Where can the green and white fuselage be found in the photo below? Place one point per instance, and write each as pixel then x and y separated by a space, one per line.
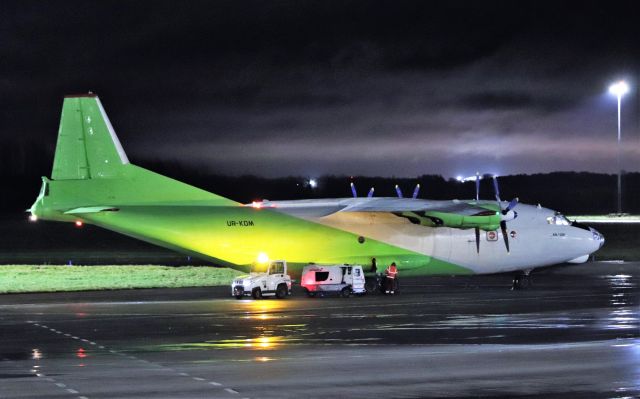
pixel 94 182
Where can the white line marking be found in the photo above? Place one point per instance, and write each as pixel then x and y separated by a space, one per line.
pixel 73 391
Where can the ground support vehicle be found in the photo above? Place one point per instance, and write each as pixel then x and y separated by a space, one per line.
pixel 273 282
pixel 342 279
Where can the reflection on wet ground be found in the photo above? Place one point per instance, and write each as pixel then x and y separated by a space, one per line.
pixel 575 333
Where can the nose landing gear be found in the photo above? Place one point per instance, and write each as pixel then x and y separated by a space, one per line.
pixel 521 280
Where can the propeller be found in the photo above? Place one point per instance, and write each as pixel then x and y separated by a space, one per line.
pixel 398 191
pixel 355 193
pixel 416 191
pixel 477 229
pixel 413 196
pixel 507 213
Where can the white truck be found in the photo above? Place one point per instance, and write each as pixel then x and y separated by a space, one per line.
pixel 343 279
pixel 273 281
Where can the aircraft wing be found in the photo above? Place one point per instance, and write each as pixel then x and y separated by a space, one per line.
pixel 456 213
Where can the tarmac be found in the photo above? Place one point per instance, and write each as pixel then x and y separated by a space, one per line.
pixel 574 333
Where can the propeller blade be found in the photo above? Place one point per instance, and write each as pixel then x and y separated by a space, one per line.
pixel 477 229
pixel 511 205
pixel 477 186
pixel 508 216
pixel 496 189
pixel 353 190
pixel 416 191
pixel 505 235
pixel 398 191
pixel 370 194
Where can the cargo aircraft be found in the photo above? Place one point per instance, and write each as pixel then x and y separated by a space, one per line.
pixel 93 182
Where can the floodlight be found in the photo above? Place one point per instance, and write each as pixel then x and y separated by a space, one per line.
pixel 619 89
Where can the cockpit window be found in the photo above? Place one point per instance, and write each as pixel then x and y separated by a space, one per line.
pixel 276 268
pixel 558 219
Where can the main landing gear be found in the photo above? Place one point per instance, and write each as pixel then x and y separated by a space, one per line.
pixel 521 280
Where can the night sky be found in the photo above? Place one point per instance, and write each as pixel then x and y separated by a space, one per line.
pixel 311 88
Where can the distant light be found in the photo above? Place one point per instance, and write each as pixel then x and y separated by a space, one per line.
pixel 256 204
pixel 313 183
pixel 263 258
pixel 79 223
pixel 468 178
pixel 33 218
pixel 619 89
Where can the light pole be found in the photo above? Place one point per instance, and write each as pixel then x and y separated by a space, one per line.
pixel 619 89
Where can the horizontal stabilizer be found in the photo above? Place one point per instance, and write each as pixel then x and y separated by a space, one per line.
pixel 91 209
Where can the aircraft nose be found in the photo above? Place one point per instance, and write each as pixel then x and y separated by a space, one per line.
pixel 597 237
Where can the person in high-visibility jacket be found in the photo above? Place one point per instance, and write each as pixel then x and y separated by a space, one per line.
pixel 391 278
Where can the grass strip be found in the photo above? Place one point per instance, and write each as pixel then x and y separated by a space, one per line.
pixel 31 278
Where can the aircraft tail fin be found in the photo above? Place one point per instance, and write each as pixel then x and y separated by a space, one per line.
pixel 87 146
pixel 90 168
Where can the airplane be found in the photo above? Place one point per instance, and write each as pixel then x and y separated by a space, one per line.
pixel 93 182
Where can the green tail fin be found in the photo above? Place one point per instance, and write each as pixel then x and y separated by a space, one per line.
pixel 87 147
pixel 91 170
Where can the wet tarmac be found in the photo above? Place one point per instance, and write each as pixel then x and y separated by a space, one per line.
pixel 575 333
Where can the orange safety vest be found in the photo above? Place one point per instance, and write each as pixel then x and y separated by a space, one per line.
pixel 392 271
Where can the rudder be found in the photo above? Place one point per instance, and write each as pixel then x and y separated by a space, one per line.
pixel 87 146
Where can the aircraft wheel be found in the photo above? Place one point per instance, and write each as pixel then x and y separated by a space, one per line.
pixel 281 291
pixel 256 293
pixel 345 292
pixel 239 296
pixel 521 281
pixel 310 294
